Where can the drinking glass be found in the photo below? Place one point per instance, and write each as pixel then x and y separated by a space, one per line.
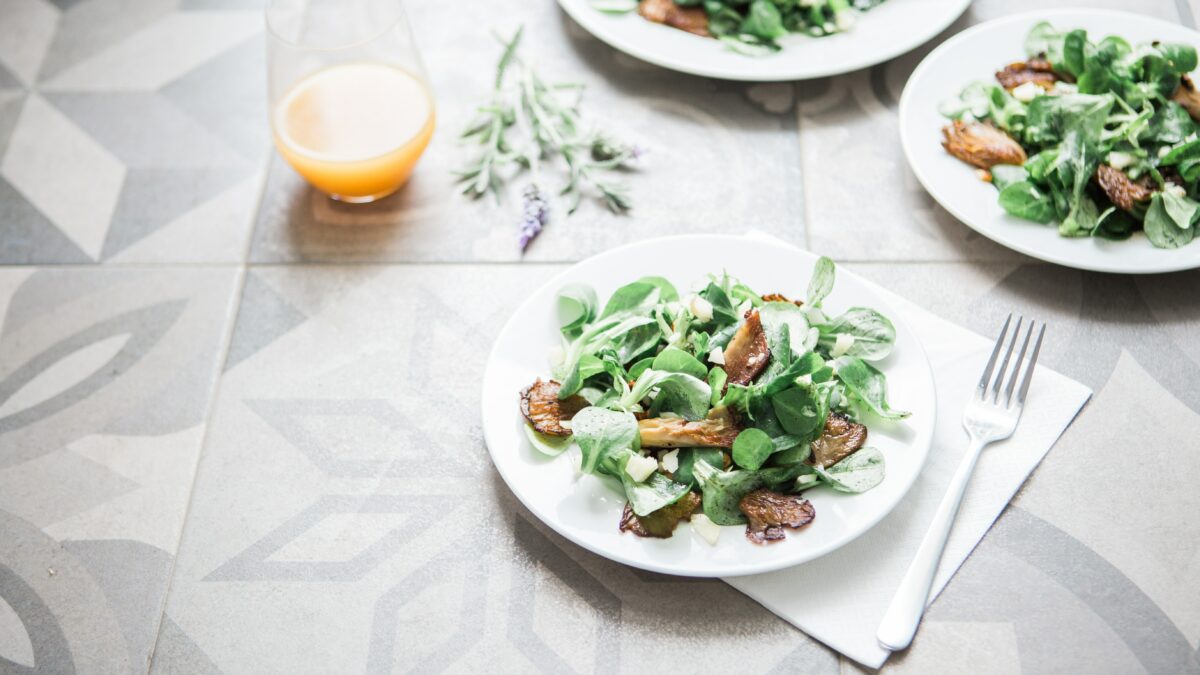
pixel 351 108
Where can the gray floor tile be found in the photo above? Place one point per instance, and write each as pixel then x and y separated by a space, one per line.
pixel 105 383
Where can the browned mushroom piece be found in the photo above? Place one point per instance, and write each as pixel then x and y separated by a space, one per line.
pixel 747 352
pixel 1035 70
pixel 541 406
pixel 1123 192
pixel 770 512
pixel 779 297
pixel 717 430
pixel 1187 96
pixel 840 439
pixel 982 145
pixel 661 523
pixel 691 19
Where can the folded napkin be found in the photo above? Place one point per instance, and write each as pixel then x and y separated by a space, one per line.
pixel 840 598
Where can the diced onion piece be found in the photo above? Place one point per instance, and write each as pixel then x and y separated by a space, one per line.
pixel 1120 160
pixel 700 308
pixel 717 356
pixel 1027 92
pixel 640 467
pixel 844 20
pixel 804 379
pixel 805 480
pixel 566 424
pixel 706 528
pixel 844 342
pixel 670 461
pixel 1176 190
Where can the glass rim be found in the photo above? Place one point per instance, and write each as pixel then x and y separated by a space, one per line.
pixel 272 5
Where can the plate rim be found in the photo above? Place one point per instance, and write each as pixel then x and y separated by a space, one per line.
pixel 922 442
pixel 905 108
pixel 578 13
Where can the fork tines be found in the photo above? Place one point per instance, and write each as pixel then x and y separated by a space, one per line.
pixel 987 382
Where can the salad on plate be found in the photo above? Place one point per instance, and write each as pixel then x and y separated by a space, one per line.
pixel 1100 138
pixel 748 26
pixel 721 407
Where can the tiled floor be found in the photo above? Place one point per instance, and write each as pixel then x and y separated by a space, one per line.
pixel 220 394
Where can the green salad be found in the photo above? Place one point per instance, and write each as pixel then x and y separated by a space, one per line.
pixel 1098 137
pixel 720 407
pixel 747 26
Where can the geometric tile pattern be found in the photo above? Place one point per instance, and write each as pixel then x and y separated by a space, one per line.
pixel 229 445
pixel 118 120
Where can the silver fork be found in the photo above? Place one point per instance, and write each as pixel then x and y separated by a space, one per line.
pixel 991 415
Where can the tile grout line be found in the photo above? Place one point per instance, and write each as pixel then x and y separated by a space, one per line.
pixel 806 209
pixel 234 309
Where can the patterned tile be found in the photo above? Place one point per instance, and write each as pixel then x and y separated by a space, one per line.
pixel 105 381
pixel 143 138
pixel 696 131
pixel 331 535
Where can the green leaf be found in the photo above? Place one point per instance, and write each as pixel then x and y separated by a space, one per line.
pixel 1160 227
pixel 763 21
pixel 1074 47
pixel 717 377
pixel 868 386
pixel 751 449
pixel 637 297
pixel 1180 57
pixel 722 491
pixel 546 444
pixel 1024 200
pixel 689 396
pixel 801 410
pixel 688 458
pixel 873 333
pixel 778 317
pixel 1004 175
pixel 723 309
pixel 666 290
pixel 604 437
pixel 577 306
pixel 1182 210
pixel 675 360
pixel 857 473
pixel 652 494
pixel 821 282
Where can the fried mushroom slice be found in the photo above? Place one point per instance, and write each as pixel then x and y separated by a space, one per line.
pixel 661 523
pixel 747 352
pixel 779 297
pixel 981 145
pixel 541 406
pixel 691 19
pixel 1034 70
pixel 1122 191
pixel 717 430
pixel 770 512
pixel 840 439
pixel 1187 96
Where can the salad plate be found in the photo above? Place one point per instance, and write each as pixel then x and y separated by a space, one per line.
pixel 885 31
pixel 945 78
pixel 588 510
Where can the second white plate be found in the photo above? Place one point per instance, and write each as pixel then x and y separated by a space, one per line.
pixel 882 33
pixel 976 54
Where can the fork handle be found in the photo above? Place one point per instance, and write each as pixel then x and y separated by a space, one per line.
pixel 900 622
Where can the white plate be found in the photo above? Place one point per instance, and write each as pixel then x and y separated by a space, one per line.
pixel 586 510
pixel 882 33
pixel 976 54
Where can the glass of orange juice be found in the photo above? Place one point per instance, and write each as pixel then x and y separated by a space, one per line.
pixel 351 109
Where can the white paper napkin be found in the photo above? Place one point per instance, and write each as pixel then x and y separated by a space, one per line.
pixel 840 598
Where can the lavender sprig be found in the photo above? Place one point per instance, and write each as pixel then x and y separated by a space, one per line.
pixel 532 126
pixel 534 216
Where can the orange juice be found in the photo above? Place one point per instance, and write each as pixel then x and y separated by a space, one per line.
pixel 356 130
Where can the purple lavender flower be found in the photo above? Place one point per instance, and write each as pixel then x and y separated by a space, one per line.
pixel 534 216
